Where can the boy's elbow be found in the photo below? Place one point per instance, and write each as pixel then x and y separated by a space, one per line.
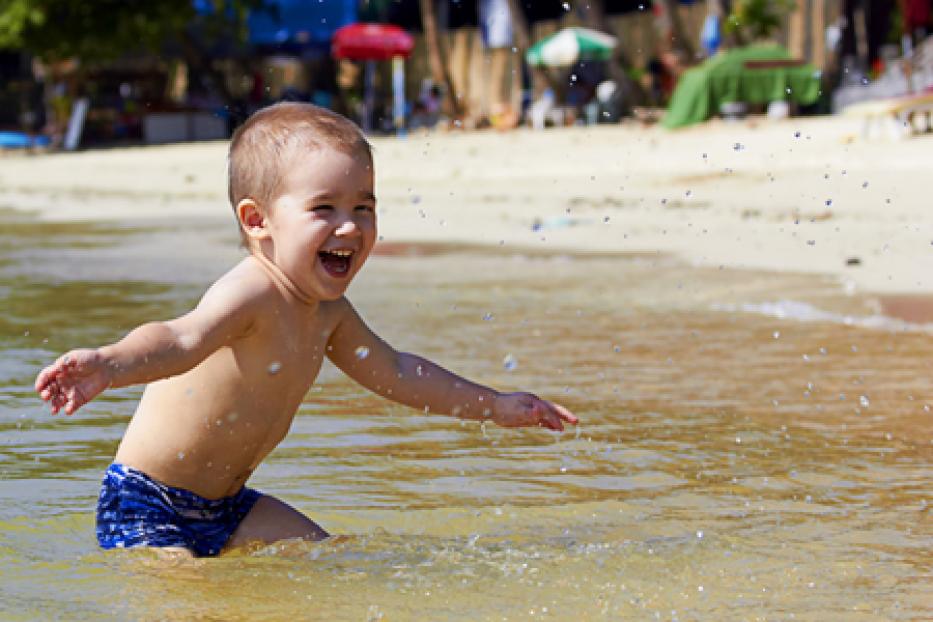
pixel 187 344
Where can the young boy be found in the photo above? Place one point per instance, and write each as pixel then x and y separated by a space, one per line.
pixel 226 379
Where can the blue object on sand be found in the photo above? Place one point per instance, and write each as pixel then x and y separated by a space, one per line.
pixel 21 140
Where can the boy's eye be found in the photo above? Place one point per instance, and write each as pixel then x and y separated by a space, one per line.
pixel 322 208
pixel 365 208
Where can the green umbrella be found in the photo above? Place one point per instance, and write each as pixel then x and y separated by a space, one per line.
pixel 566 47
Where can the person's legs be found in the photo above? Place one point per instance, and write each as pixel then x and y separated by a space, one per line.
pixel 271 520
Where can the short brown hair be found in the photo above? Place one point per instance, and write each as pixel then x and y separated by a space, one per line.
pixel 261 146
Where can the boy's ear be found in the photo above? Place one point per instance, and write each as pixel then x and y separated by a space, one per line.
pixel 252 220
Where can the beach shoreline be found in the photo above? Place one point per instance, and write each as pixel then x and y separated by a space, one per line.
pixel 800 195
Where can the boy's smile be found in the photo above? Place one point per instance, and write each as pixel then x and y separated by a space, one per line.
pixel 322 226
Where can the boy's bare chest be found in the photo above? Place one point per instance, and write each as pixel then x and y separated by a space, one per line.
pixel 286 350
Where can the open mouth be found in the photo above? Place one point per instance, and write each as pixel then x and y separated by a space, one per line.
pixel 336 262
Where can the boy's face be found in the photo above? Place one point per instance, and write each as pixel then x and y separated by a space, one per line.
pixel 323 224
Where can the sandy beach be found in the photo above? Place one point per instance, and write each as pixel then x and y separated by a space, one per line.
pixel 799 195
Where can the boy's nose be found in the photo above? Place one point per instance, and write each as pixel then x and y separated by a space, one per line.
pixel 347 228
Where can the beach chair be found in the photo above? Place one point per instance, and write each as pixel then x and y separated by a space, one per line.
pixel 896 117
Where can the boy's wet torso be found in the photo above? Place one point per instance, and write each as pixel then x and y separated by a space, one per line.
pixel 207 429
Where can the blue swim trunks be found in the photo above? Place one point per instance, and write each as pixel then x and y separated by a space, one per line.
pixel 135 510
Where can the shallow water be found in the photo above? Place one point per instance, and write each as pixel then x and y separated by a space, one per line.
pixel 752 446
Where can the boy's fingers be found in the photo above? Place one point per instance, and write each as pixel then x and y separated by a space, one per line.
pixel 565 414
pixel 551 421
pixel 44 377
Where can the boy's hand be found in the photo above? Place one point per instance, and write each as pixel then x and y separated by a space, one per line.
pixel 516 410
pixel 73 380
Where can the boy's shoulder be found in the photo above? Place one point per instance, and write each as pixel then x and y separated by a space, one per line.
pixel 244 284
pixel 247 276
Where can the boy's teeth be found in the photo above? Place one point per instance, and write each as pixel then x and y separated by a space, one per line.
pixel 340 253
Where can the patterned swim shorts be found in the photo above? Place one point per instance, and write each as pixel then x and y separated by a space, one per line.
pixel 135 510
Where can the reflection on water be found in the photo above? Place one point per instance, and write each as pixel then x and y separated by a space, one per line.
pixel 730 463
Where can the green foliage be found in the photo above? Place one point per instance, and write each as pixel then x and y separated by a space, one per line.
pixel 104 29
pixel 15 16
pixel 757 19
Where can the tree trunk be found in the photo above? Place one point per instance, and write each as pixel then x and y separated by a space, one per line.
pixel 796 27
pixel 436 61
pixel 594 16
pixel 818 29
pixel 679 36
pixel 521 33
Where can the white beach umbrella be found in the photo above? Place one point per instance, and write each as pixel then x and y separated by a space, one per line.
pixel 566 47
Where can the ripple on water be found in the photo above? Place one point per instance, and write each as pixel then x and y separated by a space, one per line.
pixel 695 420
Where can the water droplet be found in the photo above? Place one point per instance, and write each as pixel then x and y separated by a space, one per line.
pixel 863 401
pixel 796 134
pixel 864 184
pixel 829 202
pixel 605 219
pixel 789 91
pixel 617 348
pixel 488 316
pixel 274 368
pixel 738 440
pixel 566 6
pixel 776 334
pixel 181 455
pixel 509 362
pixel 738 147
pixel 362 352
pixel 699 534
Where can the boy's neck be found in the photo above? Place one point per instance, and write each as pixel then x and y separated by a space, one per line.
pixel 279 277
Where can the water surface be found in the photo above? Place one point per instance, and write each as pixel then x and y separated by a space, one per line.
pixel 752 445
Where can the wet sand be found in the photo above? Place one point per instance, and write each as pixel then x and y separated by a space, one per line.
pixel 800 195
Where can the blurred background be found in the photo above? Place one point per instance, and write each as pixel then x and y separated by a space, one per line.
pixel 181 70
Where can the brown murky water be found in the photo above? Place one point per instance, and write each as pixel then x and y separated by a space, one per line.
pixel 753 446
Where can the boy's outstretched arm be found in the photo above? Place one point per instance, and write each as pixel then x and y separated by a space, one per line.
pixel 417 382
pixel 150 352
